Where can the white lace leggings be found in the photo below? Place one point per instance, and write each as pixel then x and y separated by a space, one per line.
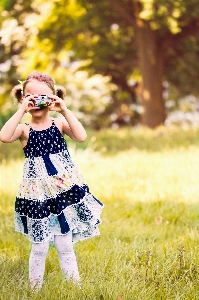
pixel 67 260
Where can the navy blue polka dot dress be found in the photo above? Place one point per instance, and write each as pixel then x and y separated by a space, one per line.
pixel 53 197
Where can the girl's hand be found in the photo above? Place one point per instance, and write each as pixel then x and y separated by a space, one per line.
pixel 57 104
pixel 27 103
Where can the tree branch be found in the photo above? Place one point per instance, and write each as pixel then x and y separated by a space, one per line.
pixel 118 7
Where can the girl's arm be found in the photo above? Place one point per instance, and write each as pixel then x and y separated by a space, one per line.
pixel 70 124
pixel 12 130
pixel 73 127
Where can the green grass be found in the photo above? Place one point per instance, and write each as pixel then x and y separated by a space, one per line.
pixel 148 248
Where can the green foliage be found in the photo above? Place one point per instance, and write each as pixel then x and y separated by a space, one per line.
pixel 100 37
pixel 106 40
pixel 184 62
pixel 15 28
pixel 169 14
pixel 6 4
pixel 148 248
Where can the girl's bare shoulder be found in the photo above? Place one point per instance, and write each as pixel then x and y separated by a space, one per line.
pixel 24 128
pixel 59 123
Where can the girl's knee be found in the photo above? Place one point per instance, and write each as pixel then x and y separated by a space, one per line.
pixel 64 243
pixel 40 249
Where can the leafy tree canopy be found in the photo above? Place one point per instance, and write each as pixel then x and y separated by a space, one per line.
pixel 104 37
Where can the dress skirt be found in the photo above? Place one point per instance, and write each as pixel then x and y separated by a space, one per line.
pixel 54 199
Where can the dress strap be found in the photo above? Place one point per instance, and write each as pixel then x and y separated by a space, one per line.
pixel 29 126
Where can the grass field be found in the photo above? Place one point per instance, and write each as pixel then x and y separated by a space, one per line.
pixel 148 248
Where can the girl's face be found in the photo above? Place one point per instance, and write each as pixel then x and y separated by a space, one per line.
pixel 37 88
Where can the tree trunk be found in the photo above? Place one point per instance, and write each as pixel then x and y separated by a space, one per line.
pixel 151 68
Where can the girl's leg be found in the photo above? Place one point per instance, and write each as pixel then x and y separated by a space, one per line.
pixel 37 264
pixel 67 257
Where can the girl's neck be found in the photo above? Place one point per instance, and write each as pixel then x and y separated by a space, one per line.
pixel 41 122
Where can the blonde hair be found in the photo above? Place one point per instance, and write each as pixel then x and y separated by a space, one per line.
pixel 18 90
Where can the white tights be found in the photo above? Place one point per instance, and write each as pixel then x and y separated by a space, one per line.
pixel 67 260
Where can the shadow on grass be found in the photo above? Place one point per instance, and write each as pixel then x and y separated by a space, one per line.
pixel 144 139
pixel 110 142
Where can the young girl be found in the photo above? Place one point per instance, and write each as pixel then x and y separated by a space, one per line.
pixel 53 203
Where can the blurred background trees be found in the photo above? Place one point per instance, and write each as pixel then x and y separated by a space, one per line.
pixel 122 62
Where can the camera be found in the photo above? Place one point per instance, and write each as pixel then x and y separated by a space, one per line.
pixel 42 101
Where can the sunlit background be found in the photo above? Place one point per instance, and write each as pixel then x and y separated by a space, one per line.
pixel 130 69
pixel 123 63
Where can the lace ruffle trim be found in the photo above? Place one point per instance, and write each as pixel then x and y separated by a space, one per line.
pixel 82 218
